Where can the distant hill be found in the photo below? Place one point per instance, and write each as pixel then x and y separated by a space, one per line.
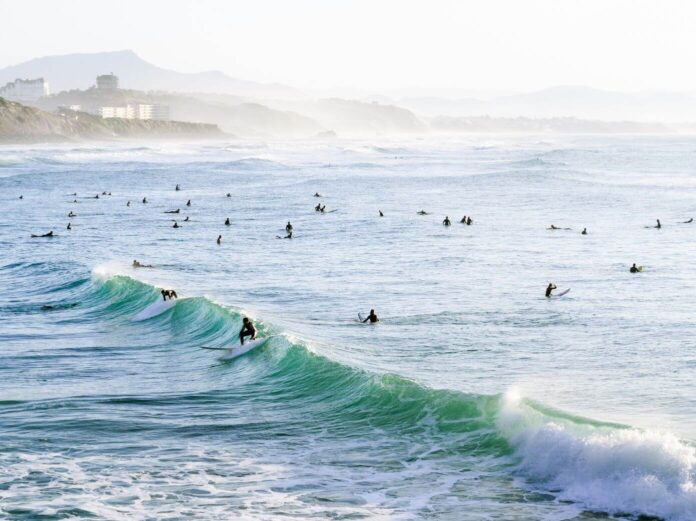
pixel 19 123
pixel 79 71
pixel 566 101
pixel 232 114
pixel 485 125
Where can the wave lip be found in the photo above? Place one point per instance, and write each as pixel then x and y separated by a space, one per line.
pixel 614 469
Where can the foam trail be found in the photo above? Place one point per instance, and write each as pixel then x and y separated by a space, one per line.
pixel 605 467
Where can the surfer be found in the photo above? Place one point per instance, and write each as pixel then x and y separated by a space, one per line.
pixel 21 197
pixel 144 200
pixel 229 194
pixel 219 239
pixel 187 219
pixel 689 221
pixel 422 212
pixel 372 317
pixel 71 214
pixel 549 289
pixel 659 225
pixel 317 194
pixel 322 209
pixel 463 221
pixel 288 227
pixel 317 208
pixel 288 236
pixel 137 264
pixel 227 222
pixel 553 227
pixel 634 268
pixel 177 188
pixel 188 203
pixel 584 231
pixel 169 293
pixel 96 197
pixel 49 234
pixel 128 203
pixel 446 220
pixel 173 211
pixel 381 214
pixel 69 227
pixel 176 225
pixel 469 221
pixel 248 330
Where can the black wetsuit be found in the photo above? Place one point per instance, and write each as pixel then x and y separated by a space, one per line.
pixel 248 330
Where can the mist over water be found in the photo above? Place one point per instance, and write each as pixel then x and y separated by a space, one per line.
pixel 474 397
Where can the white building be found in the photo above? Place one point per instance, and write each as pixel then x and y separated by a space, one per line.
pixel 139 111
pixel 127 112
pixel 25 91
pixel 159 112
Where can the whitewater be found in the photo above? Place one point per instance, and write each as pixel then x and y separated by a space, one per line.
pixel 474 397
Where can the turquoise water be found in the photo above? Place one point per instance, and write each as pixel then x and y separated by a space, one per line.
pixel 474 398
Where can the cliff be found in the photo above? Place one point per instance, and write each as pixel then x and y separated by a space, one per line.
pixel 19 123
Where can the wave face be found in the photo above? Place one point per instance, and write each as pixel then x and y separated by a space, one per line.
pixel 286 418
pixel 474 397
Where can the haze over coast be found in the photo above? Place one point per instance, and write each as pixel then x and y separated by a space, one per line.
pixel 250 109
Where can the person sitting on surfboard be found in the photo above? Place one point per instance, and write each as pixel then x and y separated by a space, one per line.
pixel 248 329
pixel 317 208
pixel 463 221
pixel 549 289
pixel 584 231
pixel 381 214
pixel 317 194
pixel 227 222
pixel 372 317
pixel 659 225
pixel 469 221
pixel 634 268
pixel 49 234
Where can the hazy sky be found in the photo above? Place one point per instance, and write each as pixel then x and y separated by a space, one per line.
pixel 504 45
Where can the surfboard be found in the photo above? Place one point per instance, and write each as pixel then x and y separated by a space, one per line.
pixel 360 317
pixel 564 292
pixel 154 309
pixel 239 350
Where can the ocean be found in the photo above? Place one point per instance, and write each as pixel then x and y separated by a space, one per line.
pixel 474 397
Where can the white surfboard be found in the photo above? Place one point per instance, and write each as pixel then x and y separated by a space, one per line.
pixel 360 317
pixel 239 350
pixel 565 291
pixel 154 309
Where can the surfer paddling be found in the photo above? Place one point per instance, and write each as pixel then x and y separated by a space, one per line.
pixel 372 317
pixel 549 289
pixel 49 234
pixel 137 264
pixel 248 330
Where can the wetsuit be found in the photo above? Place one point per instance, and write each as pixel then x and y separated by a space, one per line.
pixel 248 330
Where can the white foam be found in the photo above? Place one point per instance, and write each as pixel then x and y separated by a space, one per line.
pixel 605 468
